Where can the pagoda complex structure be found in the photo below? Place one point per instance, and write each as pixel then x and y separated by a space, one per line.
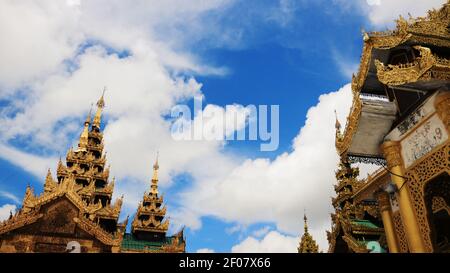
pixel 355 224
pixel 307 243
pixel 400 120
pixel 75 211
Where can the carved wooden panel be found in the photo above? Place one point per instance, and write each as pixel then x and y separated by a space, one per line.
pixel 59 218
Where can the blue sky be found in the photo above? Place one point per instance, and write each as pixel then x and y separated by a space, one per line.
pixel 232 196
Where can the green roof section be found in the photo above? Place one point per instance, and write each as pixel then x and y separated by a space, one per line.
pixel 131 242
pixel 364 223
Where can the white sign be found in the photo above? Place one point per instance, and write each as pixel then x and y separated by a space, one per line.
pixel 422 140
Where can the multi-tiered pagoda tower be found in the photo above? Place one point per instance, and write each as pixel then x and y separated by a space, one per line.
pixel 75 207
pixel 75 212
pixel 354 226
pixel 149 227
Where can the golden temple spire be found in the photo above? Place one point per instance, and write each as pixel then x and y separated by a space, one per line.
pixel 154 185
pixel 85 134
pixel 337 124
pixel 307 243
pixel 306 223
pixel 100 106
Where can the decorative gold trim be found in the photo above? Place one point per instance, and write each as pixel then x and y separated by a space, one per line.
pixel 400 231
pixel 439 204
pixel 442 105
pixel 392 153
pixel 421 69
pixel 417 176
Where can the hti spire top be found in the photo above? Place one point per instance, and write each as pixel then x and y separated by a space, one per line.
pixel 337 124
pixel 154 185
pixel 85 134
pixel 100 106
pixel 306 222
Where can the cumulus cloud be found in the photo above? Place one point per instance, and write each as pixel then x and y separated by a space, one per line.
pixel 274 242
pixel 264 190
pixel 5 211
pixel 10 196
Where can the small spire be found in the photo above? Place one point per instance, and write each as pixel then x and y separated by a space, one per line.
pixel 100 106
pixel 85 134
pixel 306 222
pixel 337 124
pixel 88 118
pixel 154 185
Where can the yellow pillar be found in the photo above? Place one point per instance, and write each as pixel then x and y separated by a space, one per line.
pixel 386 215
pixel 393 157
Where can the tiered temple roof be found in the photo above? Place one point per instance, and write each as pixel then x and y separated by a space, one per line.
pixel 354 225
pixel 84 181
pixel 149 227
pixel 77 206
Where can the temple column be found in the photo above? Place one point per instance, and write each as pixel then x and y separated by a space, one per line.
pixel 386 215
pixel 392 153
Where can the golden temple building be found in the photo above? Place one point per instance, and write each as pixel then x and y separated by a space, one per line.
pixel 307 243
pixel 399 119
pixel 76 213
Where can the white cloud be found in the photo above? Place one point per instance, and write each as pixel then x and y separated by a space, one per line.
pixel 5 211
pixel 34 164
pixel 262 231
pixel 263 190
pixel 10 196
pixel 384 12
pixel 205 250
pixel 273 242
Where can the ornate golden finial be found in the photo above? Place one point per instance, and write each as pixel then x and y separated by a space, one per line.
pixel 100 106
pixel 337 124
pixel 307 243
pixel 306 222
pixel 154 186
pixel 85 134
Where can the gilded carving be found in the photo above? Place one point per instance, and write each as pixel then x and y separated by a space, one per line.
pixel 417 176
pixel 392 153
pixel 420 69
pixel 442 104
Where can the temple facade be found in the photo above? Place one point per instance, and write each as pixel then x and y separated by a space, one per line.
pixel 76 213
pixel 400 120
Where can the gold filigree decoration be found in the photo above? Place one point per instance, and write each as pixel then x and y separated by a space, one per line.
pixel 442 105
pixel 392 153
pixel 400 231
pixel 419 69
pixel 417 176
pixel 439 204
